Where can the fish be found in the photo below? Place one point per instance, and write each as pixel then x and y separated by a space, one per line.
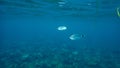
pixel 118 12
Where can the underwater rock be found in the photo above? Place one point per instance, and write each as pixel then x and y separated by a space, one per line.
pixel 61 28
pixel 75 53
pixel 25 56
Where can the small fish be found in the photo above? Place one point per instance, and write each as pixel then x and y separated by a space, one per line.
pixel 118 12
pixel 62 28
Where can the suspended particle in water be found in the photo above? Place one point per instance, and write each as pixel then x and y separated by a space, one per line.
pixel 61 28
pixel 76 37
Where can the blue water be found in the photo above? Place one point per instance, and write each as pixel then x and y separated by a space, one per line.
pixel 29 37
